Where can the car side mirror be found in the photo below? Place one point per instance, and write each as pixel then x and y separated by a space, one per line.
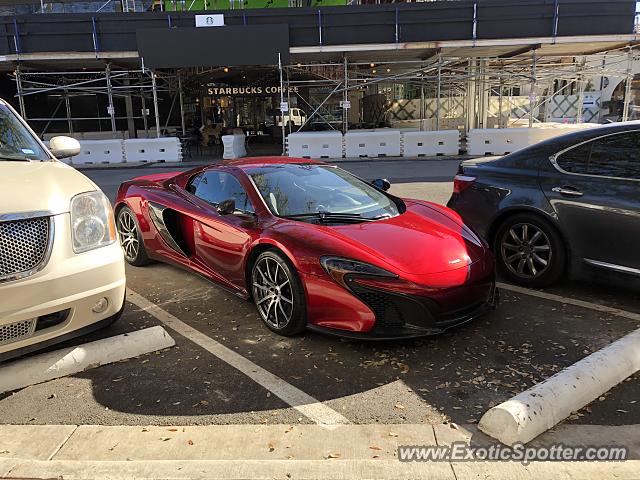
pixel 382 184
pixel 227 207
pixel 64 147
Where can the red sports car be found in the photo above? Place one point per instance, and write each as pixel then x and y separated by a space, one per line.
pixel 313 246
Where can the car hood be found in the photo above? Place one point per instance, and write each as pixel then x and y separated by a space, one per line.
pixel 39 186
pixel 426 239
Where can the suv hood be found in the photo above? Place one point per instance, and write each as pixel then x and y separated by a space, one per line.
pixel 39 186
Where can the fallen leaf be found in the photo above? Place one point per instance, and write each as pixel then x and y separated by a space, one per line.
pixel 189 442
pixel 375 447
pixel 172 429
pixel 271 447
pixel 393 434
pixel 334 455
pixel 399 406
pixel 164 439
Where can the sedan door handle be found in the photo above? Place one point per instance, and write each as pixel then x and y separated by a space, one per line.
pixel 567 191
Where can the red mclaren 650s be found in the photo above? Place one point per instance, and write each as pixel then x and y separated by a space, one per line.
pixel 313 246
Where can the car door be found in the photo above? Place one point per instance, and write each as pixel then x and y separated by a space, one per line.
pixel 221 241
pixel 594 188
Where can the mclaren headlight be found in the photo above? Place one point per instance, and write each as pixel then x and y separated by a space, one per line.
pixel 338 268
pixel 92 222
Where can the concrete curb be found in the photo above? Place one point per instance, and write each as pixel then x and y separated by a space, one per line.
pixel 532 412
pixel 60 363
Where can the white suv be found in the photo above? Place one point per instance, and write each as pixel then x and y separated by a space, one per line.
pixel 61 268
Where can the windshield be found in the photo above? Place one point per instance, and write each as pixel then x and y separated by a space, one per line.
pixel 299 189
pixel 16 143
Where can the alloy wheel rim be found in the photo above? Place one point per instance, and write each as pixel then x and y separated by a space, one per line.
pixel 526 250
pixel 128 236
pixel 272 292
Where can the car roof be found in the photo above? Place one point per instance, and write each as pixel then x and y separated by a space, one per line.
pixel 249 162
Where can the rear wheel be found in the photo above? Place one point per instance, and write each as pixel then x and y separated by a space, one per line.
pixel 131 239
pixel 278 294
pixel 529 251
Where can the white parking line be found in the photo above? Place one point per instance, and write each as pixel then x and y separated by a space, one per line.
pixel 570 301
pixel 305 404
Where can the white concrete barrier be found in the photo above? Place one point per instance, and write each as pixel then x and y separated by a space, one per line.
pixel 500 141
pixel 99 151
pixel 538 409
pixel 164 149
pixel 315 144
pixel 234 146
pixel 60 363
pixel 441 142
pixel 372 143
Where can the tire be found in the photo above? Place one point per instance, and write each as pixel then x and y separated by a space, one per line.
pixel 130 238
pixel 530 251
pixel 278 294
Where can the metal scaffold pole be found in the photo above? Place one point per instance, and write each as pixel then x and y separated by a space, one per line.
pixel 627 88
pixel 67 103
pixel 438 91
pixel 281 105
pixel 23 112
pixel 155 103
pixel 580 106
pixel 345 99
pixel 182 123
pixel 111 109
pixel 500 116
pixel 532 92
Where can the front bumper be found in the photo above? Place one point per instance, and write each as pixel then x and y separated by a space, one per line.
pixel 401 315
pixel 65 291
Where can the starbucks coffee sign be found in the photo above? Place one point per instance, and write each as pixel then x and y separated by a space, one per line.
pixel 247 90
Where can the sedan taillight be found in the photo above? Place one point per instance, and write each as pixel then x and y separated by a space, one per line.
pixel 462 182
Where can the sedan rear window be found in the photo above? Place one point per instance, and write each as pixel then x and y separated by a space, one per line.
pixel 612 156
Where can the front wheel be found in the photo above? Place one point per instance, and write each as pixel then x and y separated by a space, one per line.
pixel 529 251
pixel 131 238
pixel 278 294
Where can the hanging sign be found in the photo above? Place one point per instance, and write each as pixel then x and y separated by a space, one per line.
pixel 215 20
pixel 284 107
pixel 346 104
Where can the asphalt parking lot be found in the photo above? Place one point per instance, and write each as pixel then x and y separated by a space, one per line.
pixel 453 377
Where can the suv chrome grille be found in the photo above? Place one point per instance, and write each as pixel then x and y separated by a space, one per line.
pixel 24 245
pixel 17 331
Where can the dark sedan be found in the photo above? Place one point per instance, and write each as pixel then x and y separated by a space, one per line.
pixel 570 204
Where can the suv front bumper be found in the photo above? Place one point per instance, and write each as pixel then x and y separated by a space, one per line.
pixel 62 297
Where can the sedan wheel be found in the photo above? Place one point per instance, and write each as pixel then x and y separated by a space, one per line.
pixel 130 239
pixel 526 250
pixel 530 251
pixel 277 294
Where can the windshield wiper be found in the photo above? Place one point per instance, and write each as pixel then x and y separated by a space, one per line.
pixel 14 159
pixel 329 216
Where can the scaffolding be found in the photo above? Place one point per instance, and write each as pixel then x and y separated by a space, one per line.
pixel 438 92
pixel 109 83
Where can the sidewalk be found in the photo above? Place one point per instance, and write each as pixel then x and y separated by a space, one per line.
pixel 285 451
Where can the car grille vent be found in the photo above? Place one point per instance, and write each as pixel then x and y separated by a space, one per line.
pixel 387 312
pixel 17 331
pixel 23 246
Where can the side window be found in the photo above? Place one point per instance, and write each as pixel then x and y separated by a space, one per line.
pixel 612 156
pixel 575 160
pixel 215 187
pixel 616 156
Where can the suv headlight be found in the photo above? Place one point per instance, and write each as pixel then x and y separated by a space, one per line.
pixel 92 222
pixel 338 268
